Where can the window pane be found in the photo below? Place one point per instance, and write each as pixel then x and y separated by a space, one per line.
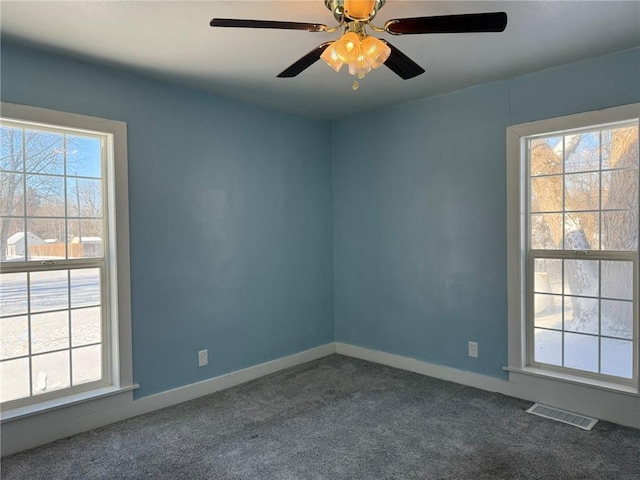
pixel 548 346
pixel 45 196
pixel 617 319
pixel 581 352
pixel 617 280
pixel 617 358
pixel 87 364
pixel 14 337
pixel 620 190
pixel 13 293
pixel 582 231
pixel 581 314
pixel 84 156
pixel 11 194
pixel 620 147
pixel 85 287
pixel 45 238
pixel 86 238
pixel 582 152
pixel 84 197
pixel 49 331
pixel 546 231
pixel 14 247
pixel 86 326
pixel 14 375
pixel 581 277
pixel 582 191
pixel 50 372
pixel 620 230
pixel 49 290
pixel 548 311
pixel 547 275
pixel 11 149
pixel 545 155
pixel 546 194
pixel 44 152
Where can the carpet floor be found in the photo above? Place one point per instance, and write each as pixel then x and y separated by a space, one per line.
pixel 339 418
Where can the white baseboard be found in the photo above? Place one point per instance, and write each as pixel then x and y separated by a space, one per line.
pixel 454 375
pixel 38 429
pixel 195 390
pixel 35 430
pixel 620 408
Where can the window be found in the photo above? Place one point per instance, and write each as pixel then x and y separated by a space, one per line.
pixel 577 263
pixel 63 316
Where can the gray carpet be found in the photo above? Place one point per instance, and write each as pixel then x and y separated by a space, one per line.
pixel 339 418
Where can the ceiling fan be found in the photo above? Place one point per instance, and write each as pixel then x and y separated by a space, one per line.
pixel 362 52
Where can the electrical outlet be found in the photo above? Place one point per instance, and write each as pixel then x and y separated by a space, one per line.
pixel 473 349
pixel 203 358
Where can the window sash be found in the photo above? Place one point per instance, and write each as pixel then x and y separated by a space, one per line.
pixel 106 374
pixel 595 255
pixel 104 179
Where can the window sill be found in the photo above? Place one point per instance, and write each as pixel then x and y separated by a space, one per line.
pixel 576 380
pixel 58 403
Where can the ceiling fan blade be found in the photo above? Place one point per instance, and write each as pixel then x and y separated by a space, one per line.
pixel 236 23
pixel 402 65
pixel 468 23
pixel 305 62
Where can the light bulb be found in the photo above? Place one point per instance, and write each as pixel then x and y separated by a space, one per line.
pixel 375 50
pixel 329 56
pixel 347 47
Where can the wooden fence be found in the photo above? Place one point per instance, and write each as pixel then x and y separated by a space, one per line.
pixel 56 250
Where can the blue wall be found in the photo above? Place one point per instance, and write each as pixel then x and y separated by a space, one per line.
pixel 420 211
pixel 234 243
pixel 230 217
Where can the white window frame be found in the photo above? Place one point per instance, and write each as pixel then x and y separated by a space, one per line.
pixel 119 372
pixel 517 217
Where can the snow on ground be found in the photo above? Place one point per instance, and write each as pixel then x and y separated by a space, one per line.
pixel 65 311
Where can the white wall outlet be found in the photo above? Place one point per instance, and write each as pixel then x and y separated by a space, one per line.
pixel 203 358
pixel 473 349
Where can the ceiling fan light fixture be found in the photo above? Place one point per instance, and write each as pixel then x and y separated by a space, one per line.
pixel 375 50
pixel 361 52
pixel 331 58
pixel 347 47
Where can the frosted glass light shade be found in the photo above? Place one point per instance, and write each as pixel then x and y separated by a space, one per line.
pixel 359 9
pixel 331 58
pixel 375 50
pixel 347 47
pixel 360 67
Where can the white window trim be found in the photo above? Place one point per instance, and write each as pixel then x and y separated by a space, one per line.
pixel 516 244
pixel 118 259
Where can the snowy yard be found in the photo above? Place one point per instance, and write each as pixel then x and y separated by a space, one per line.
pixel 65 330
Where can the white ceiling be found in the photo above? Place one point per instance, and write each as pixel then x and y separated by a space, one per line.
pixel 173 41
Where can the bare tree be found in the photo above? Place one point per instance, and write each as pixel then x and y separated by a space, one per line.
pixel 582 231
pixel 45 155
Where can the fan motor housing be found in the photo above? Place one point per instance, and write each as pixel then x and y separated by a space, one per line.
pixel 337 8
